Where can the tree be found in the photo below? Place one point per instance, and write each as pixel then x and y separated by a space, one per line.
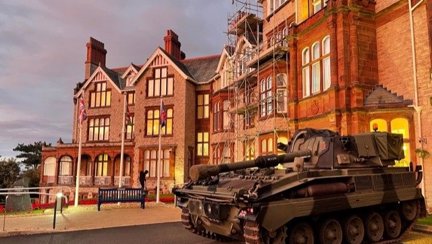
pixel 31 153
pixel 9 172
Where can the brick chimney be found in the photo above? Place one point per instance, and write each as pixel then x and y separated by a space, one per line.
pixel 172 45
pixel 96 54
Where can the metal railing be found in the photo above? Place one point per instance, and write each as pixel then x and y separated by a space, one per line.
pixel 19 191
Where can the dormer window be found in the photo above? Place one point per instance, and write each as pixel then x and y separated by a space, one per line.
pixel 100 96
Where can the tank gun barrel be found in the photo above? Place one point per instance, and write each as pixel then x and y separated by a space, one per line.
pixel 199 172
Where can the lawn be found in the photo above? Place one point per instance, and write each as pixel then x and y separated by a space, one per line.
pixel 425 221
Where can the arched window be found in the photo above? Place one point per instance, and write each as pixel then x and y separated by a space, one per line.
pixel 266 94
pixel 65 166
pixel 281 93
pixel 306 72
pixel 316 68
pixel 326 62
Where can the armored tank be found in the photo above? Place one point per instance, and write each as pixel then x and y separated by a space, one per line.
pixel 325 188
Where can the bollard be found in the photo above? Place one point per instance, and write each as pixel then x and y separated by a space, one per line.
pixel 55 212
pixel 4 214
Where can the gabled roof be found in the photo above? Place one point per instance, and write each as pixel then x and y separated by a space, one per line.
pixel 111 75
pixel 168 58
pixel 202 69
pixel 227 52
pixel 132 68
pixel 382 97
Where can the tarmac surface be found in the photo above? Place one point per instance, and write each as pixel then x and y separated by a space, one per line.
pixel 113 215
pixel 88 218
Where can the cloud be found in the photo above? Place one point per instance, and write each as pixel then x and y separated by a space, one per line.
pixel 42 53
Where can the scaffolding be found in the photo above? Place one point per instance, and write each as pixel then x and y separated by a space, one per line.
pixel 245 39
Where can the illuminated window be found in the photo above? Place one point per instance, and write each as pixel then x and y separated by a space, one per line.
pixel 203 106
pixel 202 144
pixel 267 146
pixel 100 96
pixel 401 126
pixel 379 124
pixel 284 140
pixel 150 162
pixel 307 8
pixel 153 119
pixel 161 84
pixel 65 166
pixel 130 128
pixel 99 129
pixel 102 165
pixel 249 150
pixel 131 98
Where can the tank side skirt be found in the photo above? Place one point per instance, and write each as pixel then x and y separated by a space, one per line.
pixel 281 212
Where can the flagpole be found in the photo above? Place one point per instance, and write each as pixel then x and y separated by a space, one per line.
pixel 122 142
pixel 78 167
pixel 159 153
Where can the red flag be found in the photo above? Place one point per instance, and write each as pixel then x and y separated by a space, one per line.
pixel 82 110
pixel 128 116
pixel 163 115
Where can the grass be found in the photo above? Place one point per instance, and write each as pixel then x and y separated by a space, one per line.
pixel 425 221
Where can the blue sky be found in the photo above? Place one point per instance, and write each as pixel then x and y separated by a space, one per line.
pixel 42 53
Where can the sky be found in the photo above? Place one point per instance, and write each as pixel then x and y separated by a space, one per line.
pixel 42 53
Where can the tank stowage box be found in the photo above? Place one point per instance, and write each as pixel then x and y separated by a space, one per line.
pixel 327 189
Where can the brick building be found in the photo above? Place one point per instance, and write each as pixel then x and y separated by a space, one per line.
pixel 342 65
pixel 183 86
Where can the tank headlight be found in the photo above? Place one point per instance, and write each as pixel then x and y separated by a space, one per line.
pixel 209 208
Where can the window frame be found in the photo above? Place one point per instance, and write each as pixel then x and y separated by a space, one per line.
pixel 168 129
pixel 203 106
pixel 316 67
pixel 92 131
pixel 203 144
pixel 161 84
pixel 100 96
pixel 62 163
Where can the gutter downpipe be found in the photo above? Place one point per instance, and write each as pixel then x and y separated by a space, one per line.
pixel 416 106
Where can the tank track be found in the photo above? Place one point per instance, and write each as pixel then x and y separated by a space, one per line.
pixel 188 224
pixel 253 234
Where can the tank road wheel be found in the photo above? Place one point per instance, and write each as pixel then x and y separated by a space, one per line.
pixel 409 210
pixel 354 230
pixel 393 224
pixel 374 226
pixel 301 233
pixel 330 232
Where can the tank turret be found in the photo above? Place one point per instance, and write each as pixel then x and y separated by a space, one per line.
pixel 324 188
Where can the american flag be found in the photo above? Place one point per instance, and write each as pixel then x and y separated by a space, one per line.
pixel 163 115
pixel 82 110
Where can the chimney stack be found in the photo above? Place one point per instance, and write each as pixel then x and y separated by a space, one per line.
pixel 96 55
pixel 172 45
